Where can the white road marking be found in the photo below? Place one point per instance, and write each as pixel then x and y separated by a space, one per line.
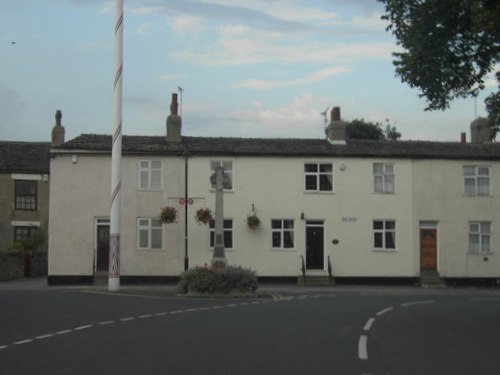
pixel 369 324
pixel 41 337
pixel 83 327
pixel 127 319
pixel 22 342
pixel 3 347
pixel 175 312
pixel 382 312
pixel 63 332
pixel 106 322
pixel 362 352
pixel 164 313
pixel 145 316
pixel 416 303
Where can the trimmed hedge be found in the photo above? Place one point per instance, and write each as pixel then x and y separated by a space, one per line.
pixel 208 280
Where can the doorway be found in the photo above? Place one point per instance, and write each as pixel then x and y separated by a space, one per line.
pixel 315 245
pixel 428 249
pixel 102 245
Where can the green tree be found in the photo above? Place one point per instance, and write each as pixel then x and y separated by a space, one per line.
pixel 449 48
pixel 360 129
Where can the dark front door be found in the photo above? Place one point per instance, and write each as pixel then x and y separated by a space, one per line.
pixel 315 257
pixel 428 249
pixel 102 248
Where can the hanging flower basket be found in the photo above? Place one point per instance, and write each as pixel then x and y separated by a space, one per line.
pixel 168 215
pixel 253 221
pixel 204 216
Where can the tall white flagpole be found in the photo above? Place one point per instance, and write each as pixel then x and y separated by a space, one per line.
pixel 116 155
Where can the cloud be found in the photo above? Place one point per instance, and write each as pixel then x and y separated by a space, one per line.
pixel 172 77
pixel 301 117
pixel 311 78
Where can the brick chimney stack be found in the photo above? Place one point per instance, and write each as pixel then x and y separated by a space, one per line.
pixel 58 131
pixel 174 122
pixel 336 129
pixel 480 131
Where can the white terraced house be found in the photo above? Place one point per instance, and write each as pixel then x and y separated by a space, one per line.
pixel 357 209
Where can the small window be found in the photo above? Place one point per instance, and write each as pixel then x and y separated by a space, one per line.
pixel 318 176
pixel 227 167
pixel 480 237
pixel 24 233
pixel 383 178
pixel 228 233
pixel 476 180
pixel 25 195
pixel 149 234
pixel 282 234
pixel 150 175
pixel 384 234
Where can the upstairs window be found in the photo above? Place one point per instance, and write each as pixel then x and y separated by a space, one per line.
pixel 227 166
pixel 476 180
pixel 318 177
pixel 479 237
pixel 25 195
pixel 384 234
pixel 383 178
pixel 150 175
pixel 282 234
pixel 24 233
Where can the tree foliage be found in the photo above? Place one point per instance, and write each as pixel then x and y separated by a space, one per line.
pixel 361 129
pixel 449 48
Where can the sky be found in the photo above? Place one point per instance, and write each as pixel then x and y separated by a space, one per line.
pixel 247 68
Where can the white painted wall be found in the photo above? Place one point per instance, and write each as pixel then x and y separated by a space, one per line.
pixel 426 190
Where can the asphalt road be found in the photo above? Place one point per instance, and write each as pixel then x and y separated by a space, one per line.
pixel 293 330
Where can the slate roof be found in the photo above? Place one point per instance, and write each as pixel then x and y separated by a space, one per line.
pixel 218 146
pixel 24 157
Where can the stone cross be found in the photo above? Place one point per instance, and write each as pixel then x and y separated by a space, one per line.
pixel 219 257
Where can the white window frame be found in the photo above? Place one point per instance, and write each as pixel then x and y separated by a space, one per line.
pixel 146 225
pixel 475 178
pixel 146 168
pixel 385 174
pixel 384 231
pixel 481 230
pixel 230 173
pixel 281 231
pixel 211 234
pixel 318 174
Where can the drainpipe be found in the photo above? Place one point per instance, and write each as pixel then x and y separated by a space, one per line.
pixel 186 198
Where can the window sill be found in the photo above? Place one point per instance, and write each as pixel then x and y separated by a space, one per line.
pixel 480 254
pixel 151 250
pixel 384 251
pixel 284 250
pixel 319 192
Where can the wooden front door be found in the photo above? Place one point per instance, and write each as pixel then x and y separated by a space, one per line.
pixel 428 249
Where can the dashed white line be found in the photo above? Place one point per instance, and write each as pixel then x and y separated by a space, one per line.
pixel 3 347
pixel 369 324
pixel 384 311
pixel 106 322
pixel 41 337
pixel 63 332
pixel 128 319
pixel 145 316
pixel 81 328
pixel 175 312
pixel 163 313
pixel 416 303
pixel 22 342
pixel 362 351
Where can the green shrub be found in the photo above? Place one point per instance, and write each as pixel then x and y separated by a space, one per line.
pixel 208 280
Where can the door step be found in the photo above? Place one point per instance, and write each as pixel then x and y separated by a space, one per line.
pixel 101 278
pixel 315 280
pixel 431 279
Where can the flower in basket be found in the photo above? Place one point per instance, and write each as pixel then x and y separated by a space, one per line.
pixel 168 215
pixel 253 221
pixel 204 216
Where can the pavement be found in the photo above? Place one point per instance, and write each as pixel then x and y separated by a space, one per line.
pixel 271 290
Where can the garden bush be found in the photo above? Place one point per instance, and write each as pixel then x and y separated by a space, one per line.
pixel 209 280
